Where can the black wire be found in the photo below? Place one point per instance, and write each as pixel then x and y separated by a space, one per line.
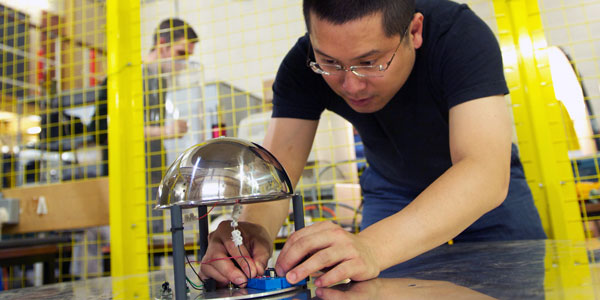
pixel 198 275
pixel 249 270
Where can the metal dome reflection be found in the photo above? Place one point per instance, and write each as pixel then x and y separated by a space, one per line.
pixel 223 171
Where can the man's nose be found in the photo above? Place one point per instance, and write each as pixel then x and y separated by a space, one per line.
pixel 352 83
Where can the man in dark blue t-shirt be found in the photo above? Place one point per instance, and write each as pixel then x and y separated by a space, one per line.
pixel 424 86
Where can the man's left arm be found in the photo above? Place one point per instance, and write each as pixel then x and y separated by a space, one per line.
pixel 477 182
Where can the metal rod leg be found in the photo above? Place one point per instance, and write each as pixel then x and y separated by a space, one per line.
pixel 298 212
pixel 298 208
pixel 203 228
pixel 209 284
pixel 178 253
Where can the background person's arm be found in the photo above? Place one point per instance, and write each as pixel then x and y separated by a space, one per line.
pixel 175 129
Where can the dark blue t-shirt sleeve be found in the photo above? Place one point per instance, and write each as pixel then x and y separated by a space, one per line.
pixel 296 87
pixel 470 61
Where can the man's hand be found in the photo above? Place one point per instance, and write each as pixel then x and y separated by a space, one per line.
pixel 176 129
pixel 327 245
pixel 257 249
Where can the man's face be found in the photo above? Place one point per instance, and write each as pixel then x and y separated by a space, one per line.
pixel 179 49
pixel 175 54
pixel 363 42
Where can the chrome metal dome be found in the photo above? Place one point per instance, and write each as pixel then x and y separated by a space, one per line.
pixel 223 171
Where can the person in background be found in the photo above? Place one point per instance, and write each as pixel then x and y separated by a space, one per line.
pixel 422 82
pixel 173 42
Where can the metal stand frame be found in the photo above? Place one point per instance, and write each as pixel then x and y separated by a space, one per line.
pixel 178 252
pixel 179 247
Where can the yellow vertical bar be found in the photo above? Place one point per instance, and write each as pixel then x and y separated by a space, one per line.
pixel 542 138
pixel 568 274
pixel 543 144
pixel 129 246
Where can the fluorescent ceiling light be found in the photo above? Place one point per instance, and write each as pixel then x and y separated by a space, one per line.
pixel 34 130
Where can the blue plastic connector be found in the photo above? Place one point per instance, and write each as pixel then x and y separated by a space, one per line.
pixel 272 283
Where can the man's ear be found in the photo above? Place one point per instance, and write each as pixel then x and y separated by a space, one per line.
pixel 416 30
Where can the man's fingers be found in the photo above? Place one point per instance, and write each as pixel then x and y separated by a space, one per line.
pixel 226 271
pixel 301 244
pixel 233 263
pixel 223 269
pixel 340 272
pixel 300 248
pixel 297 250
pixel 261 258
pixel 241 256
pixel 245 262
pixel 213 273
pixel 317 262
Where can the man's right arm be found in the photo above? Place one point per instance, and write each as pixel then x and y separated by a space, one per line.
pixel 290 141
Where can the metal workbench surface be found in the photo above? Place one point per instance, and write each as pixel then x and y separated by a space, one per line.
pixel 503 270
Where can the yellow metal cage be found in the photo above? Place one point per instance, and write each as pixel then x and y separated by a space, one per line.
pixel 52 139
pixel 70 65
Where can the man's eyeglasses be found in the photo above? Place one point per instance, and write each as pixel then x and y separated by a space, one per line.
pixel 360 71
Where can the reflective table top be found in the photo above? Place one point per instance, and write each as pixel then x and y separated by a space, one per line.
pixel 491 270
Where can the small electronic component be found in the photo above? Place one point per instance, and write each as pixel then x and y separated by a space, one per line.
pixel 270 272
pixel 166 290
pixel 210 285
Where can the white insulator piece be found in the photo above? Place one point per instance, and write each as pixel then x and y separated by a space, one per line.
pixel 237 211
pixel 236 237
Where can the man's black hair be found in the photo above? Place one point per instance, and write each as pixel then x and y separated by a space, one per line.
pixel 172 30
pixel 397 14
